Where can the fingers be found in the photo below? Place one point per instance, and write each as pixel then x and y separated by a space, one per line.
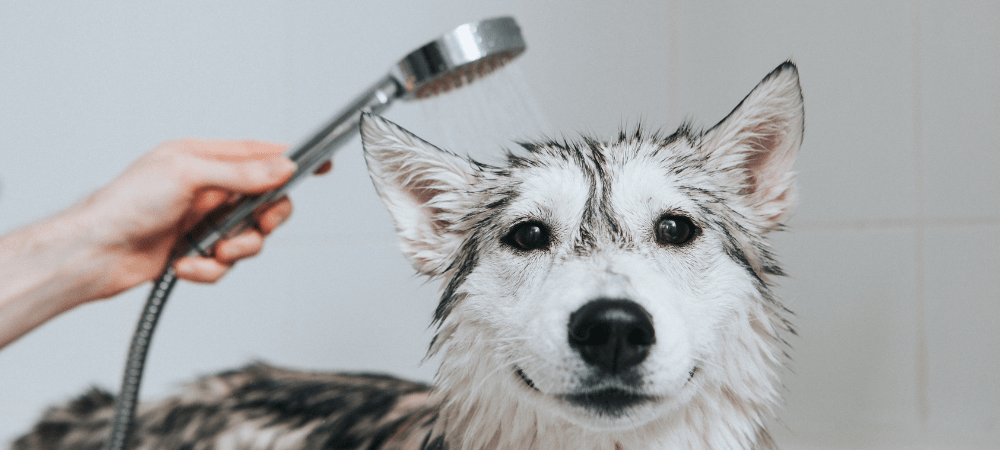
pixel 208 199
pixel 244 245
pixel 270 216
pixel 244 167
pixel 228 251
pixel 230 150
pixel 199 269
pixel 216 172
pixel 244 177
pixel 251 240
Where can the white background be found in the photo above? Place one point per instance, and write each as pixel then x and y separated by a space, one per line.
pixel 894 255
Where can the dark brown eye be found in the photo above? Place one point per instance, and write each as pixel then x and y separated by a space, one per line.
pixel 528 236
pixel 674 230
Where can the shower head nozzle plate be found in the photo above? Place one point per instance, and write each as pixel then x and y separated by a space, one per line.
pixel 468 52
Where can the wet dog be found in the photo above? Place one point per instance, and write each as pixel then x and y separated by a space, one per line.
pixel 597 294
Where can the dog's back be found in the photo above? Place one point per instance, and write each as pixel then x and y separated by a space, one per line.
pixel 257 407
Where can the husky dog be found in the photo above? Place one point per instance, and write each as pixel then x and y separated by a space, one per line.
pixel 596 295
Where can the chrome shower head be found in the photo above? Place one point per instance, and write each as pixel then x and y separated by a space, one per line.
pixel 468 52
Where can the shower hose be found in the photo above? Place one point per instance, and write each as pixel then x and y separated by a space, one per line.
pixel 125 407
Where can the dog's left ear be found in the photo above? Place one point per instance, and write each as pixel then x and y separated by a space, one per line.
pixel 424 188
pixel 758 142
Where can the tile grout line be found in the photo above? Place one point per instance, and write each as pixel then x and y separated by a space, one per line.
pixel 920 251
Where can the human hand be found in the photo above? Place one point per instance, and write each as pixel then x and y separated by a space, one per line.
pixel 138 218
pixel 124 234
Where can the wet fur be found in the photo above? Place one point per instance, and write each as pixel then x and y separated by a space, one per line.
pixel 709 382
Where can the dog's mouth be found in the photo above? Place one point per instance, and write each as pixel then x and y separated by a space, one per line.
pixel 612 402
pixel 609 401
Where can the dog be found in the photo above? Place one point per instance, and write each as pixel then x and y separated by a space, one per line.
pixel 610 295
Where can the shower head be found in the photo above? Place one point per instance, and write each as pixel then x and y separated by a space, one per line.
pixel 459 57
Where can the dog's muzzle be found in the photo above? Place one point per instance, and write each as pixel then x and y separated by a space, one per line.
pixel 612 336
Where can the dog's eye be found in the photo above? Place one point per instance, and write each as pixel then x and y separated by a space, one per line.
pixel 674 230
pixel 528 236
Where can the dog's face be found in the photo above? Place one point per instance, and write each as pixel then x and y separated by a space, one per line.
pixel 609 281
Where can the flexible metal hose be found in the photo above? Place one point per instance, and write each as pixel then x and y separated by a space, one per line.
pixel 128 398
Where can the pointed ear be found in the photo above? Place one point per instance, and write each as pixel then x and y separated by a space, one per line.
pixel 424 188
pixel 758 142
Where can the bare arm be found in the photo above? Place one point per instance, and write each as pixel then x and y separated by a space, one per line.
pixel 122 235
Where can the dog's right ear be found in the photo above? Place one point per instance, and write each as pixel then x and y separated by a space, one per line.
pixel 425 189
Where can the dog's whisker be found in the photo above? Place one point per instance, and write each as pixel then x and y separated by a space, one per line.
pixel 499 368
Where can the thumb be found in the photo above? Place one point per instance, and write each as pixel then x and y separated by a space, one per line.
pixel 245 177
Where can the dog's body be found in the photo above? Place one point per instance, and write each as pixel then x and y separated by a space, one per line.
pixel 597 295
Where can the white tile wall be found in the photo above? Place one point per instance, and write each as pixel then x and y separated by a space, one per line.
pixel 855 363
pixel 963 289
pixel 858 89
pixel 892 255
pixel 960 98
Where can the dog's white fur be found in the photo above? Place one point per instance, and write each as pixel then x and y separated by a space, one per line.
pixel 718 326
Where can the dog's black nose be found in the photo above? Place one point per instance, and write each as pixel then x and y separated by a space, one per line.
pixel 613 335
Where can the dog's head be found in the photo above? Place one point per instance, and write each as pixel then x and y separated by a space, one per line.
pixel 610 281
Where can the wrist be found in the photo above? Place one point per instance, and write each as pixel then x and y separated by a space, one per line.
pixel 47 268
pixel 87 251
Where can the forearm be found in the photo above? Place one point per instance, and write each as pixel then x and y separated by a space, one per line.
pixel 45 269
